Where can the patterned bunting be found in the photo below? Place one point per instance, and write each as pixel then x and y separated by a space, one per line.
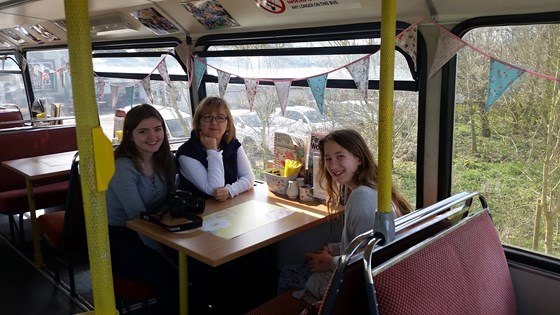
pixel 223 80
pixel 146 84
pixel 447 47
pixel 114 95
pixel 100 88
pixel 162 69
pixel 501 78
pixel 406 41
pixel 251 89
pixel 318 85
pixel 130 94
pixel 199 69
pixel 359 71
pixel 182 50
pixel 283 91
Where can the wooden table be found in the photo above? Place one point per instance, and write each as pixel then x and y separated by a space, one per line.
pixel 33 169
pixel 214 250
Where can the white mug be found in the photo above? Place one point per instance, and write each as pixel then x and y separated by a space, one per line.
pixel 306 193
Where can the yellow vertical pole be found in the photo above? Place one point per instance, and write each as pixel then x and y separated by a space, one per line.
pixel 386 91
pixel 90 142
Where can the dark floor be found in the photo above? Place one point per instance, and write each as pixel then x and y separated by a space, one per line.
pixel 34 291
pixel 233 288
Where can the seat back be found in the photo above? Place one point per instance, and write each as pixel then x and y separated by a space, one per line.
pixel 349 290
pixel 460 270
pixel 10 117
pixel 32 142
pixel 74 231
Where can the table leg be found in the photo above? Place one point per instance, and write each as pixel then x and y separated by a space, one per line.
pixel 183 284
pixel 34 225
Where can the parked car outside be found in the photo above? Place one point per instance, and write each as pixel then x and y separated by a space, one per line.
pixel 178 123
pixel 302 120
pixel 248 128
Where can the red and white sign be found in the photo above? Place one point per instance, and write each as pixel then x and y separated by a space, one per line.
pixel 272 6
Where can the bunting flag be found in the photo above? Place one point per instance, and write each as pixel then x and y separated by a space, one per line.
pixel 182 50
pixel 146 84
pixel 23 63
pixel 359 71
pixel 500 79
pixel 251 89
pixel 162 69
pixel 199 69
pixel 114 95
pixel 446 48
pixel 283 91
pixel 223 80
pixel 318 85
pixel 406 41
pixel 100 88
pixel 60 76
pixel 130 94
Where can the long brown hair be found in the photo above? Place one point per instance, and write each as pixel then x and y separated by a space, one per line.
pixel 366 174
pixel 162 159
pixel 210 104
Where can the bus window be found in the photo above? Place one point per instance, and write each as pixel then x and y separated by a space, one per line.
pixel 509 152
pixel 344 104
pixel 118 79
pixel 12 90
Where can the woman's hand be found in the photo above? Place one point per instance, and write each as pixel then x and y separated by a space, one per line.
pixel 208 143
pixel 320 260
pixel 221 194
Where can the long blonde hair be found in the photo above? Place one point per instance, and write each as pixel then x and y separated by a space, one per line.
pixel 366 174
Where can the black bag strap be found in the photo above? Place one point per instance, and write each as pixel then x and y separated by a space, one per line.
pixel 195 221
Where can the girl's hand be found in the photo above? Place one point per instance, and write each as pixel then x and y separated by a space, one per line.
pixel 319 261
pixel 221 194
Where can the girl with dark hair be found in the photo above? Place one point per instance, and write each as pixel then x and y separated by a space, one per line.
pixel 144 177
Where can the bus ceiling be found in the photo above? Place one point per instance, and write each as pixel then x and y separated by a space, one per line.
pixel 32 23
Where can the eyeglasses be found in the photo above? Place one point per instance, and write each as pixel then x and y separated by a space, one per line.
pixel 220 119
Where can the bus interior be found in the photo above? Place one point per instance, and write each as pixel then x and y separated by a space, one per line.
pixel 475 93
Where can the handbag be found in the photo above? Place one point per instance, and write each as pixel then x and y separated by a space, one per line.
pixel 195 221
pixel 180 204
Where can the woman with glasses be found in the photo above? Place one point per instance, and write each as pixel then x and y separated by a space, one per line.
pixel 212 163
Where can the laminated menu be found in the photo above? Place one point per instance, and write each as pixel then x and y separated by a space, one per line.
pixel 288 146
pixel 313 163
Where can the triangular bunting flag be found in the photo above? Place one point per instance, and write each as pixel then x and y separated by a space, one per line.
pixel 182 50
pixel 446 48
pixel 199 69
pixel 100 88
pixel 60 76
pixel 251 89
pixel 114 95
pixel 318 85
pixel 406 41
pixel 130 94
pixel 223 80
pixel 162 69
pixel 146 84
pixel 501 78
pixel 283 90
pixel 359 72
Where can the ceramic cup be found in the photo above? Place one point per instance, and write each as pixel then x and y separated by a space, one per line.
pixel 306 193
